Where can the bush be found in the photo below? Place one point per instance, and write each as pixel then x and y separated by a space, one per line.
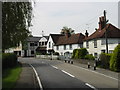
pixel 105 59
pixel 74 52
pixel 83 53
pixel 115 59
pixel 9 60
pixel 89 57
pixel 56 53
pixel 79 53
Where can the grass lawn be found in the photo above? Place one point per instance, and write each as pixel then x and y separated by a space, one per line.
pixel 10 76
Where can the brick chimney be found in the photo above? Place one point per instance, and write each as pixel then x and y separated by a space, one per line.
pixel 67 34
pixel 101 22
pixel 86 34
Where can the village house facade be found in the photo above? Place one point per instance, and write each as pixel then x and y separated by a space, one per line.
pixel 96 42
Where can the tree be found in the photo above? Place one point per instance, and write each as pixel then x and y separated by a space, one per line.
pixel 115 59
pixel 67 30
pixel 16 20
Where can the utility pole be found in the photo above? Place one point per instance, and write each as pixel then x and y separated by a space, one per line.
pixel 105 22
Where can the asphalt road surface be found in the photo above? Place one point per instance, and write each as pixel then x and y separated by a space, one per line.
pixel 57 74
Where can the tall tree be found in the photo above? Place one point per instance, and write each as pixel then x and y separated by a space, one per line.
pixel 65 29
pixel 16 20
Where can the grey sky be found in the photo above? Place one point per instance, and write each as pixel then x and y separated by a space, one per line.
pixel 52 16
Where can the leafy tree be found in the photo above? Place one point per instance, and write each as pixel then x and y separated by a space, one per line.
pixel 16 20
pixel 65 29
pixel 115 59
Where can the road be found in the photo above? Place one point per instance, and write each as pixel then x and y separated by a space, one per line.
pixel 57 74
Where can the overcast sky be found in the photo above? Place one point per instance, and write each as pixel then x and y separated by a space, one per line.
pixel 80 16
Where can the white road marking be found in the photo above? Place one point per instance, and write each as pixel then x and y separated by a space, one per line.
pixel 67 73
pixel 54 67
pixel 90 86
pixel 97 73
pixel 39 82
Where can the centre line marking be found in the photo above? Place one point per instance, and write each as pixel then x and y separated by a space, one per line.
pixel 68 73
pixel 90 86
pixel 54 67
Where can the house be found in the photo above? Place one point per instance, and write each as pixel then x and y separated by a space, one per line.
pixel 35 45
pixel 68 42
pixel 52 40
pixel 96 42
pixel 16 50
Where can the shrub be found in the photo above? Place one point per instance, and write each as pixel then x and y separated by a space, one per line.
pixel 9 60
pixel 115 59
pixel 105 59
pixel 83 52
pixel 56 53
pixel 74 52
pixel 90 57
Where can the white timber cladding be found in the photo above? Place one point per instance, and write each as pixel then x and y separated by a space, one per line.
pixel 61 48
pixel 101 45
pixel 50 43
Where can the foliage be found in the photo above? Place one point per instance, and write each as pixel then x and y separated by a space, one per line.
pixel 115 59
pixel 79 53
pixel 16 20
pixel 67 30
pixel 56 53
pixel 105 59
pixel 90 57
pixel 74 52
pixel 9 60
pixel 10 76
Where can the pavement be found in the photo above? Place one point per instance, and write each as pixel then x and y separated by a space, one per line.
pixel 28 79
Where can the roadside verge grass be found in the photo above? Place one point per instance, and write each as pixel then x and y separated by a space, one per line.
pixel 10 76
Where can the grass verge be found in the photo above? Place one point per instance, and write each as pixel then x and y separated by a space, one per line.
pixel 10 76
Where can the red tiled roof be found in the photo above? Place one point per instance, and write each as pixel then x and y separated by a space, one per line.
pixel 55 37
pixel 112 32
pixel 72 39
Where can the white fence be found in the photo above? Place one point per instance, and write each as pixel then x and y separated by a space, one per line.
pixel 53 57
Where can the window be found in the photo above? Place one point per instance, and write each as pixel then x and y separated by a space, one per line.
pixel 35 44
pixel 49 44
pixel 32 52
pixel 102 51
pixel 80 45
pixel 95 43
pixel 64 47
pixel 31 44
pixel 57 47
pixel 45 43
pixel 87 44
pixel 42 43
pixel 95 55
pixel 52 45
pixel 110 51
pixel 70 46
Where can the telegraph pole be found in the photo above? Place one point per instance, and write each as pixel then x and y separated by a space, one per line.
pixel 105 22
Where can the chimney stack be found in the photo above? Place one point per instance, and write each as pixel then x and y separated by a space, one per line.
pixel 101 22
pixel 86 34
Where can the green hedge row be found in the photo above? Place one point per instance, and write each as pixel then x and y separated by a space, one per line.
pixel 105 59
pixel 8 60
pixel 79 53
pixel 115 59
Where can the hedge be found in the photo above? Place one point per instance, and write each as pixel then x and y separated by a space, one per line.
pixel 115 59
pixel 79 53
pixel 8 60
pixel 105 59
pixel 89 57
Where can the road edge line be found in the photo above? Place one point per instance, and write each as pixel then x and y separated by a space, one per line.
pixel 38 79
pixel 90 86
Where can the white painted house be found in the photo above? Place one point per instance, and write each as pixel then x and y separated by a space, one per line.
pixel 96 42
pixel 65 44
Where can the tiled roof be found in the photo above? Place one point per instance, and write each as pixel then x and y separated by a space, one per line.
pixel 33 39
pixel 112 32
pixel 72 39
pixel 55 37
